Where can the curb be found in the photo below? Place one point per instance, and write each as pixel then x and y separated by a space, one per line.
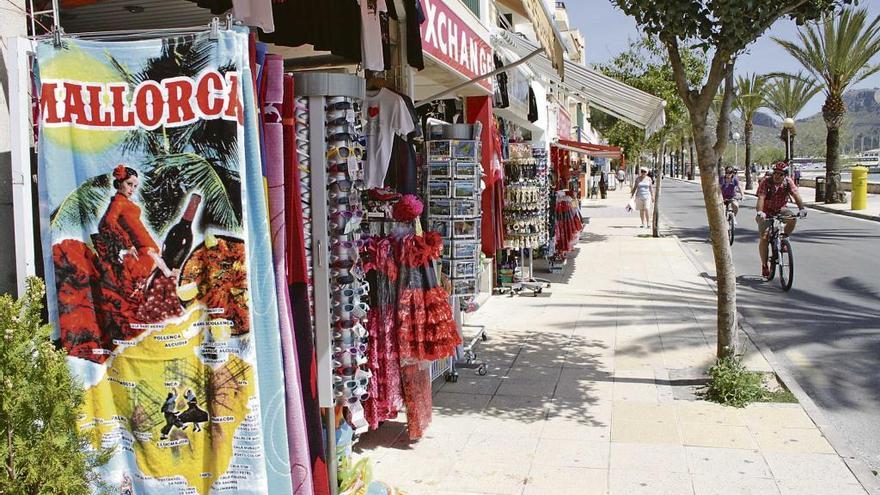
pixel 838 442
pixel 813 205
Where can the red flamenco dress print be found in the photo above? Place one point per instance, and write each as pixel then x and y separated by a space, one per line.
pixel 103 294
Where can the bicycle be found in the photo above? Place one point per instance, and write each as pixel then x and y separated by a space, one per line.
pixel 731 219
pixel 781 254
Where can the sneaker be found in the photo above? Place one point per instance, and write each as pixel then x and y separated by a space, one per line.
pixel 765 271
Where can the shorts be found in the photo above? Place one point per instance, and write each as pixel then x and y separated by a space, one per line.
pixel 643 203
pixel 762 226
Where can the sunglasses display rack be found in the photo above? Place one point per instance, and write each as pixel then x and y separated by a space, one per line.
pixel 329 138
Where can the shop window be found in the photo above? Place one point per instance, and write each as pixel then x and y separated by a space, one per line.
pixel 473 5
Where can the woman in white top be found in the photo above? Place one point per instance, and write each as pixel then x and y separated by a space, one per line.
pixel 643 192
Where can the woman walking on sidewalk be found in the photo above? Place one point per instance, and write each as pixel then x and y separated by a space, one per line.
pixel 643 193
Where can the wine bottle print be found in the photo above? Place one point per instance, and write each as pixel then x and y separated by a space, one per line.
pixel 178 242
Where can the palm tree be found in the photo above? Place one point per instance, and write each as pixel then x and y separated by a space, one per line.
pixel 838 53
pixel 750 97
pixel 787 95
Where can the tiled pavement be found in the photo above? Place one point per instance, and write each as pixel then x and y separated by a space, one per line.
pixel 583 395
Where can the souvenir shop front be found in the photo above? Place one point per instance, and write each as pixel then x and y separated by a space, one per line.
pixel 255 243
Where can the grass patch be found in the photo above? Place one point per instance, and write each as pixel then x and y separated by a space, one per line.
pixel 782 395
pixel 730 383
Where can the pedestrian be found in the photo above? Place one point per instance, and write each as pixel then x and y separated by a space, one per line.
pixel 643 193
pixel 621 176
pixel 603 184
pixel 797 175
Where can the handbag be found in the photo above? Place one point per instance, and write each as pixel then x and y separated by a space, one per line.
pixel 631 205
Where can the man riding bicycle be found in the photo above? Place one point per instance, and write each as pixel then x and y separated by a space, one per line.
pixel 773 195
pixel 731 190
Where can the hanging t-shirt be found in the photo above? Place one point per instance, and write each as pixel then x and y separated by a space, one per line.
pixel 387 116
pixel 371 14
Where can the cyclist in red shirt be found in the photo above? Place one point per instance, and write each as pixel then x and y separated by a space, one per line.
pixel 773 195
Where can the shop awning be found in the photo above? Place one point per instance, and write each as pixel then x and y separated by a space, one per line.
pixel 594 150
pixel 594 88
pixel 545 29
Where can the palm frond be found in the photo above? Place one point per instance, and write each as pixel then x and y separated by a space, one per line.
pixel 172 176
pixel 788 94
pixel 836 50
pixel 750 95
pixel 83 205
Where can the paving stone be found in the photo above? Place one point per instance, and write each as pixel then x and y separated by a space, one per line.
pixel 710 484
pixel 762 416
pixel 809 468
pixel 644 432
pixel 727 462
pixel 546 480
pixel 643 411
pixel 708 413
pixel 649 457
pixel 794 440
pixel 625 482
pixel 708 435
pixel 487 478
pixel 572 453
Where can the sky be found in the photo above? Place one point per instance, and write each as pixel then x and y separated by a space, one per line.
pixel 607 32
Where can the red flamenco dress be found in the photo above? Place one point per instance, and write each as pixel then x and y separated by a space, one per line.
pixel 100 293
pixel 426 328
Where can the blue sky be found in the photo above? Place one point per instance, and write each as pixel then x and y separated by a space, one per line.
pixel 607 32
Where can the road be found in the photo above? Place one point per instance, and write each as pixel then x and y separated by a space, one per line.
pixel 827 328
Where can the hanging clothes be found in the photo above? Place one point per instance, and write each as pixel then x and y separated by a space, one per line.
pixel 372 13
pixel 533 106
pixel 256 13
pixel 272 96
pixel 297 279
pixel 387 116
pixel 331 25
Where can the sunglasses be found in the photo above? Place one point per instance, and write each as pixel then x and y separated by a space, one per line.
pixel 345 152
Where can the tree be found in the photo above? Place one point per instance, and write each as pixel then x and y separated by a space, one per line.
pixel 787 96
pixel 838 53
pixel 750 97
pixel 42 449
pixel 645 65
pixel 724 28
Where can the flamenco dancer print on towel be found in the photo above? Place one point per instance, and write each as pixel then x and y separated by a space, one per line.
pixel 141 192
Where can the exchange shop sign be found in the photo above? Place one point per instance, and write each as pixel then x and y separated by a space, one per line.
pixel 449 40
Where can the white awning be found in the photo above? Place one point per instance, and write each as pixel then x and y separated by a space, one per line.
pixel 594 88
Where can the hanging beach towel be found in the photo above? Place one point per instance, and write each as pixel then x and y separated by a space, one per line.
pixel 156 236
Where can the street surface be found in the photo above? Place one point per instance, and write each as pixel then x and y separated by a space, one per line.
pixel 827 328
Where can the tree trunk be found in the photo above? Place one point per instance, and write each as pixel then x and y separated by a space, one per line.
pixel 724 267
pixel 748 163
pixel 691 167
pixel 655 229
pixel 833 111
pixel 681 168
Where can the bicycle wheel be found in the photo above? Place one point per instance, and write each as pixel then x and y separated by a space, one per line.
pixel 774 257
pixel 730 228
pixel 786 265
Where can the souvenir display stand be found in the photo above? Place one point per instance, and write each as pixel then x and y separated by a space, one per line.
pixel 328 121
pixel 526 218
pixel 454 210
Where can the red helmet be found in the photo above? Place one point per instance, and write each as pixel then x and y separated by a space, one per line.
pixel 781 167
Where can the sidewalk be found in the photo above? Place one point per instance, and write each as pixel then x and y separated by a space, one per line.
pixel 591 390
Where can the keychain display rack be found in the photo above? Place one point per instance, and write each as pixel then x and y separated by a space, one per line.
pixel 526 216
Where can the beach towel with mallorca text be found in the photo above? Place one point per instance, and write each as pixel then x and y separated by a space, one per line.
pixel 155 239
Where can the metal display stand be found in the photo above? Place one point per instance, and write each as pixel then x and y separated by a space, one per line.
pixel 316 87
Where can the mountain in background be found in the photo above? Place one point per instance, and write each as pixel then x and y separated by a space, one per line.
pixel 862 123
